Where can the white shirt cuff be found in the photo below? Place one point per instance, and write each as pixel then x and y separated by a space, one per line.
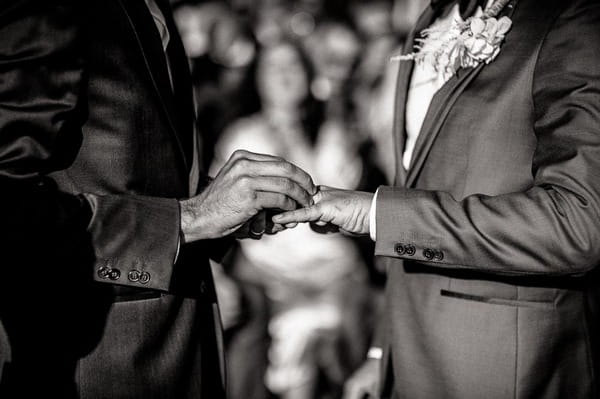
pixel 375 353
pixel 373 218
pixel 178 248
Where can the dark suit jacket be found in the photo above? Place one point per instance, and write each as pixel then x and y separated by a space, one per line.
pixel 491 237
pixel 95 150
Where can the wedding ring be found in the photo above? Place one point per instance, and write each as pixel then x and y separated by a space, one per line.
pixel 257 233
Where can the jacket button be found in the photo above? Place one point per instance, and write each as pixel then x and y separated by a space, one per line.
pixel 399 248
pixel 134 275
pixel 428 253
pixel 144 277
pixel 438 255
pixel 202 287
pixel 410 250
pixel 104 272
pixel 114 274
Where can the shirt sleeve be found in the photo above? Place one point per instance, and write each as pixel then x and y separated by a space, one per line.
pixel 373 218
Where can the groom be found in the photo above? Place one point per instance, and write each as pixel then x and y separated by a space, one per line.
pixel 106 219
pixel 491 230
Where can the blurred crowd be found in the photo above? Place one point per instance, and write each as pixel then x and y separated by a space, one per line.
pixel 311 81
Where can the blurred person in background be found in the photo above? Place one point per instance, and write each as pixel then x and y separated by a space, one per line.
pixel 374 78
pixel 221 51
pixel 316 285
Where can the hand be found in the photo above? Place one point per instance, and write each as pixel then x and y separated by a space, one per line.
pixel 364 382
pixel 260 224
pixel 247 184
pixel 348 210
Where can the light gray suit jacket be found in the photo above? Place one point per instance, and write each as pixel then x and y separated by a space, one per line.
pixel 492 236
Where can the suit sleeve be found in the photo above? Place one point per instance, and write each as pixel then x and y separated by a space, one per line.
pixel 42 109
pixel 552 228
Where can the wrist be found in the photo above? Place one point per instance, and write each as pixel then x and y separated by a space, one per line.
pixel 192 221
pixel 186 218
pixel 366 214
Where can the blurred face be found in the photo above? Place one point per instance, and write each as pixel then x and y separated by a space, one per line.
pixel 281 77
pixel 193 32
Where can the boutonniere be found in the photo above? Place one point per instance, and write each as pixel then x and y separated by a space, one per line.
pixel 465 44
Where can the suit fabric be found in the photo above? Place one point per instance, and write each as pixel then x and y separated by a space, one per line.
pixel 95 150
pixel 491 236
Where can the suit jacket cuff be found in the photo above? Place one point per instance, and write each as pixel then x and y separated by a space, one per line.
pixel 135 240
pixel 400 227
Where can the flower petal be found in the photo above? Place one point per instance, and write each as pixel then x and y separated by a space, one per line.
pixel 477 26
pixel 478 46
pixel 504 25
pixel 491 27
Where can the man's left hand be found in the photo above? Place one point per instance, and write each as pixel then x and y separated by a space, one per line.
pixel 348 210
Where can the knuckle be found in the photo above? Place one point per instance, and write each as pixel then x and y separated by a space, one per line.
pixel 244 181
pixel 289 203
pixel 243 164
pixel 239 153
pixel 240 165
pixel 287 167
pixel 289 185
pixel 251 199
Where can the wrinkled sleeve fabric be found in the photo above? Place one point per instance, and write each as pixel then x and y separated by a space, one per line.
pixel 42 109
pixel 552 228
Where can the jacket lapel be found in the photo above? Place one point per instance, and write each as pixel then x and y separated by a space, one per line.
pixel 150 45
pixel 438 110
pixel 403 83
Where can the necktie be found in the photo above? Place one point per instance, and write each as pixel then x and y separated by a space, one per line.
pixel 465 7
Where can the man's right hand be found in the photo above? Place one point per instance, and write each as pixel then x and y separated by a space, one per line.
pixel 247 184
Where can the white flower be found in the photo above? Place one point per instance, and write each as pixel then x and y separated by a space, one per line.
pixel 462 45
pixel 484 38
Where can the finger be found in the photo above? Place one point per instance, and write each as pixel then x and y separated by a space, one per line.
pixel 281 185
pixel 267 200
pixel 302 215
pixel 247 156
pixel 254 156
pixel 275 167
pixel 274 228
pixel 258 223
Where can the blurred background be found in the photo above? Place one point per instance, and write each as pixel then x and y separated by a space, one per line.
pixel 309 80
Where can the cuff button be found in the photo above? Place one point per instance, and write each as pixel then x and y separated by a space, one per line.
pixel 114 274
pixel 428 253
pixel 438 255
pixel 104 272
pixel 399 249
pixel 134 275
pixel 144 277
pixel 410 250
